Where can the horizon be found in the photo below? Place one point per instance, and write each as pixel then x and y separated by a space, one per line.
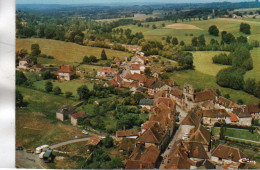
pixel 87 2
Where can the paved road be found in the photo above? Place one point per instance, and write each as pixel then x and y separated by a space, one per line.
pixel 27 160
pixel 183 113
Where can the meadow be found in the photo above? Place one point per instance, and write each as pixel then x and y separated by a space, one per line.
pixel 203 62
pixel 65 52
pixel 255 73
pixel 201 80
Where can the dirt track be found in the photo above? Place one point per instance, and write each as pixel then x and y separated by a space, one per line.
pixel 182 26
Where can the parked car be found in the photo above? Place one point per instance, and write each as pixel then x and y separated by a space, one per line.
pixel 19 148
pixel 29 150
pixel 85 132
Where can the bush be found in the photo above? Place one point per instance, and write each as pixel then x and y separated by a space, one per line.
pixel 213 30
pixel 222 59
pixel 245 28
pixel 68 94
pixel 57 90
pixel 48 86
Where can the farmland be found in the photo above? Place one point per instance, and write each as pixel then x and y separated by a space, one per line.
pixel 65 52
pixel 255 73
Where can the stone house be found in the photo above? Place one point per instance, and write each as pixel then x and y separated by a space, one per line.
pixel 177 95
pixel 158 86
pixel 223 103
pixel 106 72
pixel 224 154
pixel 245 119
pixel 254 110
pixel 94 140
pixel 23 63
pixel 146 103
pixel 117 61
pixel 75 116
pixel 133 133
pixel 66 73
pixel 195 150
pixel 135 68
pixel 127 144
pixel 210 117
pixel 65 112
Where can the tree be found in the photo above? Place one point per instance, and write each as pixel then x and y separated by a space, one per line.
pixel 47 75
pixel 20 78
pixel 108 142
pixel 194 41
pixel 213 30
pixel 86 60
pixel 83 92
pixel 168 39
pixel 18 99
pixel 222 133
pixel 182 43
pixel 103 55
pixel 227 96
pixel 68 94
pixel 240 101
pixel 250 85
pixel 245 28
pixel 116 163
pixel 257 90
pixel 148 71
pixel 201 40
pixel 93 59
pixel 175 41
pixel 35 50
pixel 138 96
pixel 241 39
pixel 228 38
pixel 57 90
pixel 154 26
pixel 48 86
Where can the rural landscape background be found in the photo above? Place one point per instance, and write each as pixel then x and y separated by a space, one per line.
pixel 133 85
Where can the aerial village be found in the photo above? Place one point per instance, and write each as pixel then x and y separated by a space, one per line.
pixel 177 134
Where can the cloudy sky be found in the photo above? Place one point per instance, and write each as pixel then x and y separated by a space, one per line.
pixel 117 1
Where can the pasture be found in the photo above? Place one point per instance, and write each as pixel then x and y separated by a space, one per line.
pixel 203 81
pixel 178 26
pixel 255 73
pixel 203 62
pixel 66 52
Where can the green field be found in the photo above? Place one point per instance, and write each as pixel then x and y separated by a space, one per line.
pixel 65 86
pixel 202 81
pixel 204 64
pixel 243 134
pixel 65 52
pixel 255 73
pixel 229 25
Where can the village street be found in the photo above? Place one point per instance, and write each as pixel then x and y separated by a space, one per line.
pixel 27 160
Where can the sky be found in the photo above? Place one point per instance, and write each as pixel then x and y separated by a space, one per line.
pixel 118 1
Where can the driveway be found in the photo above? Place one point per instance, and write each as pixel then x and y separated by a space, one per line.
pixel 27 160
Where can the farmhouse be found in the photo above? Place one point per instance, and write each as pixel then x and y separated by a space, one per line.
pixel 202 135
pixel 75 116
pixel 106 72
pixel 212 116
pixel 135 68
pixel 224 103
pixel 158 86
pixel 23 63
pixel 65 112
pixel 95 140
pixel 254 110
pixel 66 72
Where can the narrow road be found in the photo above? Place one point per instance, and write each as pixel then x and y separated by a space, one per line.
pixel 27 160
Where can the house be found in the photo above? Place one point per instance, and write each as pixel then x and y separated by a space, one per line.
pixel 254 110
pixel 147 103
pixel 193 119
pixel 65 112
pixel 133 86
pixel 141 89
pixel 212 116
pixel 135 68
pixel 195 150
pixel 245 119
pixel 169 102
pixel 143 158
pixel 106 72
pixel 155 74
pixel 141 59
pixel 234 119
pixel 224 154
pixel 75 116
pixel 66 72
pixel 37 68
pixel 94 140
pixel 23 63
pixel 158 86
pixel 117 61
pixel 233 165
pixel 224 103
pixel 177 95
pixel 127 144
pixel 116 81
pixel 133 133
pixel 152 137
pixel 147 125
pixel 202 135
pixel 169 82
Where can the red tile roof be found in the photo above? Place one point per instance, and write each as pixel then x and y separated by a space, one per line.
pixel 135 67
pixel 227 152
pixel 167 101
pixel 151 155
pixel 178 163
pixel 94 140
pixel 117 60
pixel 66 69
pixel 106 70
pixel 137 164
pixel 226 103
pixel 152 135
pixel 148 124
pixel 213 113
pixel 193 118
pixel 176 92
pixel 195 150
pixel 208 94
pixel 253 108
pixel 169 82
pixel 233 117
pixel 201 135
pixel 78 114
pixel 125 133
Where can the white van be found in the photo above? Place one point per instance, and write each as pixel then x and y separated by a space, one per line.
pixel 41 155
pixel 40 148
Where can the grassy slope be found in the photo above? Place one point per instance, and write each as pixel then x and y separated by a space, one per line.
pixel 243 134
pixel 36 124
pixel 200 80
pixel 71 86
pixel 65 52
pixel 203 62
pixel 255 73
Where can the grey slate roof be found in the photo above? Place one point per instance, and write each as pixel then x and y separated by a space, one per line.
pixel 157 84
pixel 66 109
pixel 146 102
